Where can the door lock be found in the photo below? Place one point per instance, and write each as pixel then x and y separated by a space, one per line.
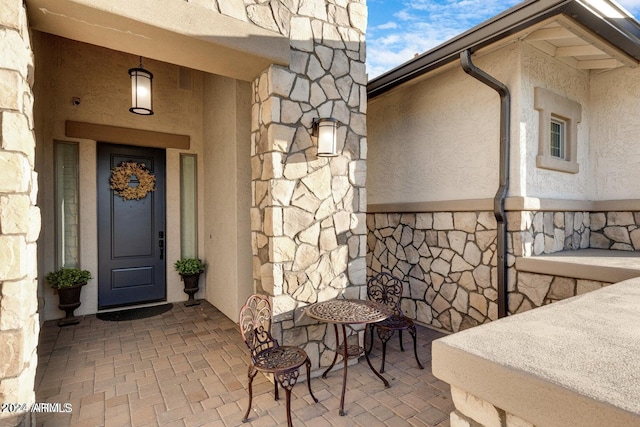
pixel 161 243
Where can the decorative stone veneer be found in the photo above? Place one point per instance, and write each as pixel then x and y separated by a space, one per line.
pixel 536 233
pixel 447 260
pixel 534 290
pixel 548 232
pixel 472 411
pixel 308 213
pixel 615 230
pixel 19 216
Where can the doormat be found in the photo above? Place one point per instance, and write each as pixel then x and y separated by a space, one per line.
pixel 134 313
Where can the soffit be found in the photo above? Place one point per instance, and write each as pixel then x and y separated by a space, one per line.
pixel 171 31
pixel 561 38
pixel 569 42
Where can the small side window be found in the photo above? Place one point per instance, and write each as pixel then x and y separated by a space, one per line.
pixel 558 141
pixel 558 131
pixel 67 212
pixel 188 206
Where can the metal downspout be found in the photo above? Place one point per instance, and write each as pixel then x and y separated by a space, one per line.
pixel 501 194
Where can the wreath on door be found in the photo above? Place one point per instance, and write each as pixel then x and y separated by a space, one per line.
pixel 121 180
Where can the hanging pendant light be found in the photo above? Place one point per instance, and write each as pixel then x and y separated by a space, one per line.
pixel 326 131
pixel 141 85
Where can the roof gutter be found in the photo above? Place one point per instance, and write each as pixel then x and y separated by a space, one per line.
pixel 623 33
pixel 501 194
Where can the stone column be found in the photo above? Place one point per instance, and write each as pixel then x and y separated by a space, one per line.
pixel 308 216
pixel 308 213
pixel 19 217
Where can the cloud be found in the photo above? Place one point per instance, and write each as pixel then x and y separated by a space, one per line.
pixel 388 26
pixel 422 25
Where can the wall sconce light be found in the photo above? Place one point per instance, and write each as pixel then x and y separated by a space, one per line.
pixel 141 84
pixel 326 131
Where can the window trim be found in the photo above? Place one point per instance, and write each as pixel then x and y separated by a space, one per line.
pixel 551 105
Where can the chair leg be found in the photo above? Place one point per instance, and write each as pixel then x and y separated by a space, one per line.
pixel 384 356
pixel 400 336
pixel 308 363
pixel 287 393
pixel 287 380
pixel 384 335
pixel 413 333
pixel 252 373
pixel 275 390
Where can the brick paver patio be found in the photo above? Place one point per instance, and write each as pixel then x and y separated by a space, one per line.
pixel 188 367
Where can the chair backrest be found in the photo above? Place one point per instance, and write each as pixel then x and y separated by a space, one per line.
pixel 386 289
pixel 255 325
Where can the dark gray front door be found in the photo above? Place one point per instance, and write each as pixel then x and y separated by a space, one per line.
pixel 131 233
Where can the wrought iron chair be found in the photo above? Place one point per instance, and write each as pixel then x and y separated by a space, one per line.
pixel 267 355
pixel 387 289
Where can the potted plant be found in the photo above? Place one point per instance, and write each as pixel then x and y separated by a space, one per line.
pixel 189 270
pixel 68 282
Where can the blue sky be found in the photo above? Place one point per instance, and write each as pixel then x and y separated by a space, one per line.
pixel 399 29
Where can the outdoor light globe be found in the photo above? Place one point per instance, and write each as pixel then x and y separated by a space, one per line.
pixel 327 130
pixel 141 81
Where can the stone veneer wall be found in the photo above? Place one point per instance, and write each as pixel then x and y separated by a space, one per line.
pixel 308 213
pixel 615 230
pixel 19 216
pixel 471 411
pixel 549 232
pixel 447 261
pixel 448 265
pixel 537 233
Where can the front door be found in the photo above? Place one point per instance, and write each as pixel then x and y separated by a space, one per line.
pixel 131 231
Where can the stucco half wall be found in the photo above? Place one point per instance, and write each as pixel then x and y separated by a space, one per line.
pixel 572 363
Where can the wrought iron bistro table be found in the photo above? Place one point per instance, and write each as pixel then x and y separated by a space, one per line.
pixel 346 312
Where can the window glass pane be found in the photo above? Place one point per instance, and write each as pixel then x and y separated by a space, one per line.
pixel 557 139
pixel 67 208
pixel 188 206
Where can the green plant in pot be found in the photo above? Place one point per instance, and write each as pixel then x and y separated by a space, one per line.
pixel 189 270
pixel 68 282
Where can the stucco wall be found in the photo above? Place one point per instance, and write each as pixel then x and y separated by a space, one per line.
pixel 438 139
pixel 227 172
pixel 541 70
pixel 614 134
pixel 99 77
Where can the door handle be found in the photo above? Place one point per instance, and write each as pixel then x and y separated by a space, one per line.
pixel 161 246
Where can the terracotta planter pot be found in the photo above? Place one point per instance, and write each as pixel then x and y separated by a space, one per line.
pixel 69 299
pixel 191 287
